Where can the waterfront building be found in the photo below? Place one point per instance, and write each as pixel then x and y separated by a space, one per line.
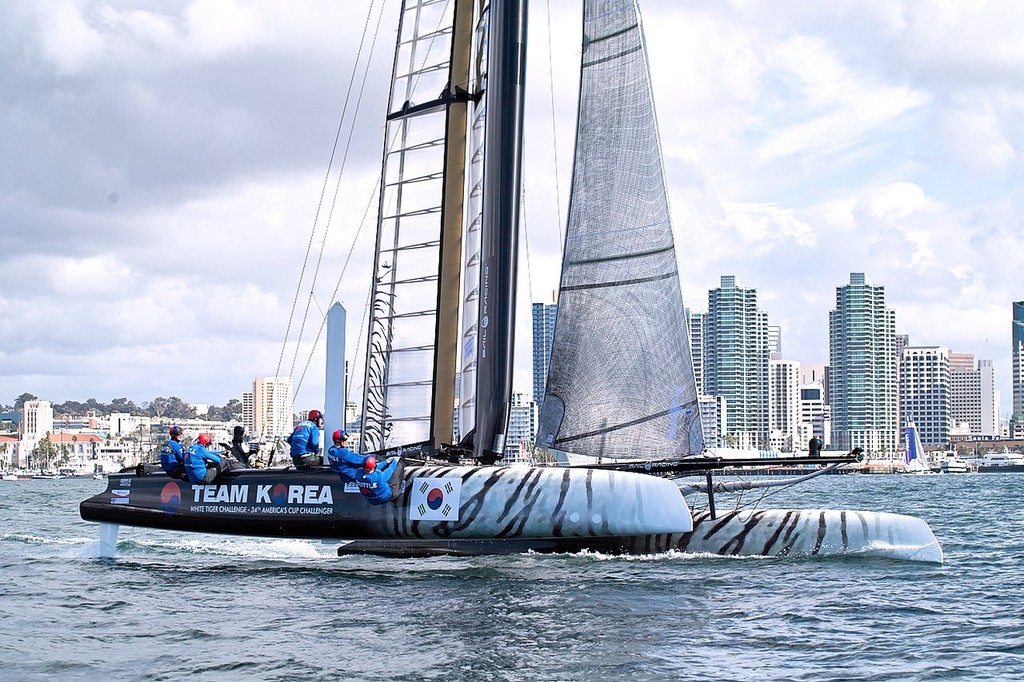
pixel 713 413
pixel 925 392
pixel 36 423
pixel 543 332
pixel 784 403
pixel 522 429
pixel 249 412
pixel 695 323
pixel 1017 421
pixel 736 361
pixel 902 341
pixel 815 415
pixel 974 400
pixel 272 407
pixel 863 368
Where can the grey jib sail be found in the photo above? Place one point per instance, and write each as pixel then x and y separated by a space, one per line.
pixel 620 381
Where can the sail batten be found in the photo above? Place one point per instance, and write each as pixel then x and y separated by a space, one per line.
pixel 620 345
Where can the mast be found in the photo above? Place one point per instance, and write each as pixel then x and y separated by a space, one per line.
pixel 502 184
pixel 452 214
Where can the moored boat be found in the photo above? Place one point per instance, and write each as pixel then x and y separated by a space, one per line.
pixel 1001 463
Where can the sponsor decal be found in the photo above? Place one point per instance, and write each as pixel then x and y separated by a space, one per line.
pixel 170 498
pixel 120 496
pixel 435 499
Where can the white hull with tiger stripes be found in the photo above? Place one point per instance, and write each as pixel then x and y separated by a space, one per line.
pixel 533 502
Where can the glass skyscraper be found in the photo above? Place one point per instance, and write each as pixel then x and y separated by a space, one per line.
pixel 1018 362
pixel 736 361
pixel 863 368
pixel 543 331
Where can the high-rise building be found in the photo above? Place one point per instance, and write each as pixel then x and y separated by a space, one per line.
pixel 784 404
pixel 863 368
pixel 713 413
pixel 973 395
pixel 272 406
pixel 543 331
pixel 522 429
pixel 36 423
pixel 902 341
pixel 925 392
pixel 695 323
pixel 736 361
pixel 248 413
pixel 815 415
pixel 1018 363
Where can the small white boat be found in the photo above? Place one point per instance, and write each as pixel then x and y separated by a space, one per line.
pixel 8 477
pixel 98 477
pixel 954 464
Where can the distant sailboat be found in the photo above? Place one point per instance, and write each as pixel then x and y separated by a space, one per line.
pixel 621 391
pixel 914 461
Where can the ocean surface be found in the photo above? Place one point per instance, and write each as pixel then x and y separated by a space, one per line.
pixel 173 606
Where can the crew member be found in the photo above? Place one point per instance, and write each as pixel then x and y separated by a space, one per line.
pixel 201 464
pixel 344 462
pixel 382 485
pixel 172 454
pixel 305 441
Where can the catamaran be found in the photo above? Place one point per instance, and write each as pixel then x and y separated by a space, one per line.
pixel 621 395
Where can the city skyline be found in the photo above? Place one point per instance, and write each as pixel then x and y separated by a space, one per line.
pixel 165 162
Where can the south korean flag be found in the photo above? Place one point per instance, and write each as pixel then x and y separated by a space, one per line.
pixel 435 499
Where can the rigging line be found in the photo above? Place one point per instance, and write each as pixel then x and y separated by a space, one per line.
pixel 373 195
pixel 323 191
pixel 337 286
pixel 554 131
pixel 337 186
pixel 526 239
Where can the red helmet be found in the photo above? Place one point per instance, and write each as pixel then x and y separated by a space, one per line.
pixel 370 464
pixel 314 415
pixel 340 435
pixel 204 439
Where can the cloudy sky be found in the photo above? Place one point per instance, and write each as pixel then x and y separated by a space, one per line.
pixel 163 176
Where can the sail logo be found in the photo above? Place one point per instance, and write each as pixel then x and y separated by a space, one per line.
pixel 170 498
pixel 435 499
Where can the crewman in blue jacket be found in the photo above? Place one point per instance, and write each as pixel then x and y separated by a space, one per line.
pixel 201 464
pixel 382 485
pixel 172 455
pixel 305 441
pixel 344 462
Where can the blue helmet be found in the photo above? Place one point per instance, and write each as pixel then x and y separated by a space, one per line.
pixel 175 431
pixel 340 435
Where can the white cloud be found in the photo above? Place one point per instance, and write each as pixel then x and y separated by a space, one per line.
pixel 974 132
pixel 68 40
pixel 97 275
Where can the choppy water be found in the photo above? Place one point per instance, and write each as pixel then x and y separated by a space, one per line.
pixel 171 606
